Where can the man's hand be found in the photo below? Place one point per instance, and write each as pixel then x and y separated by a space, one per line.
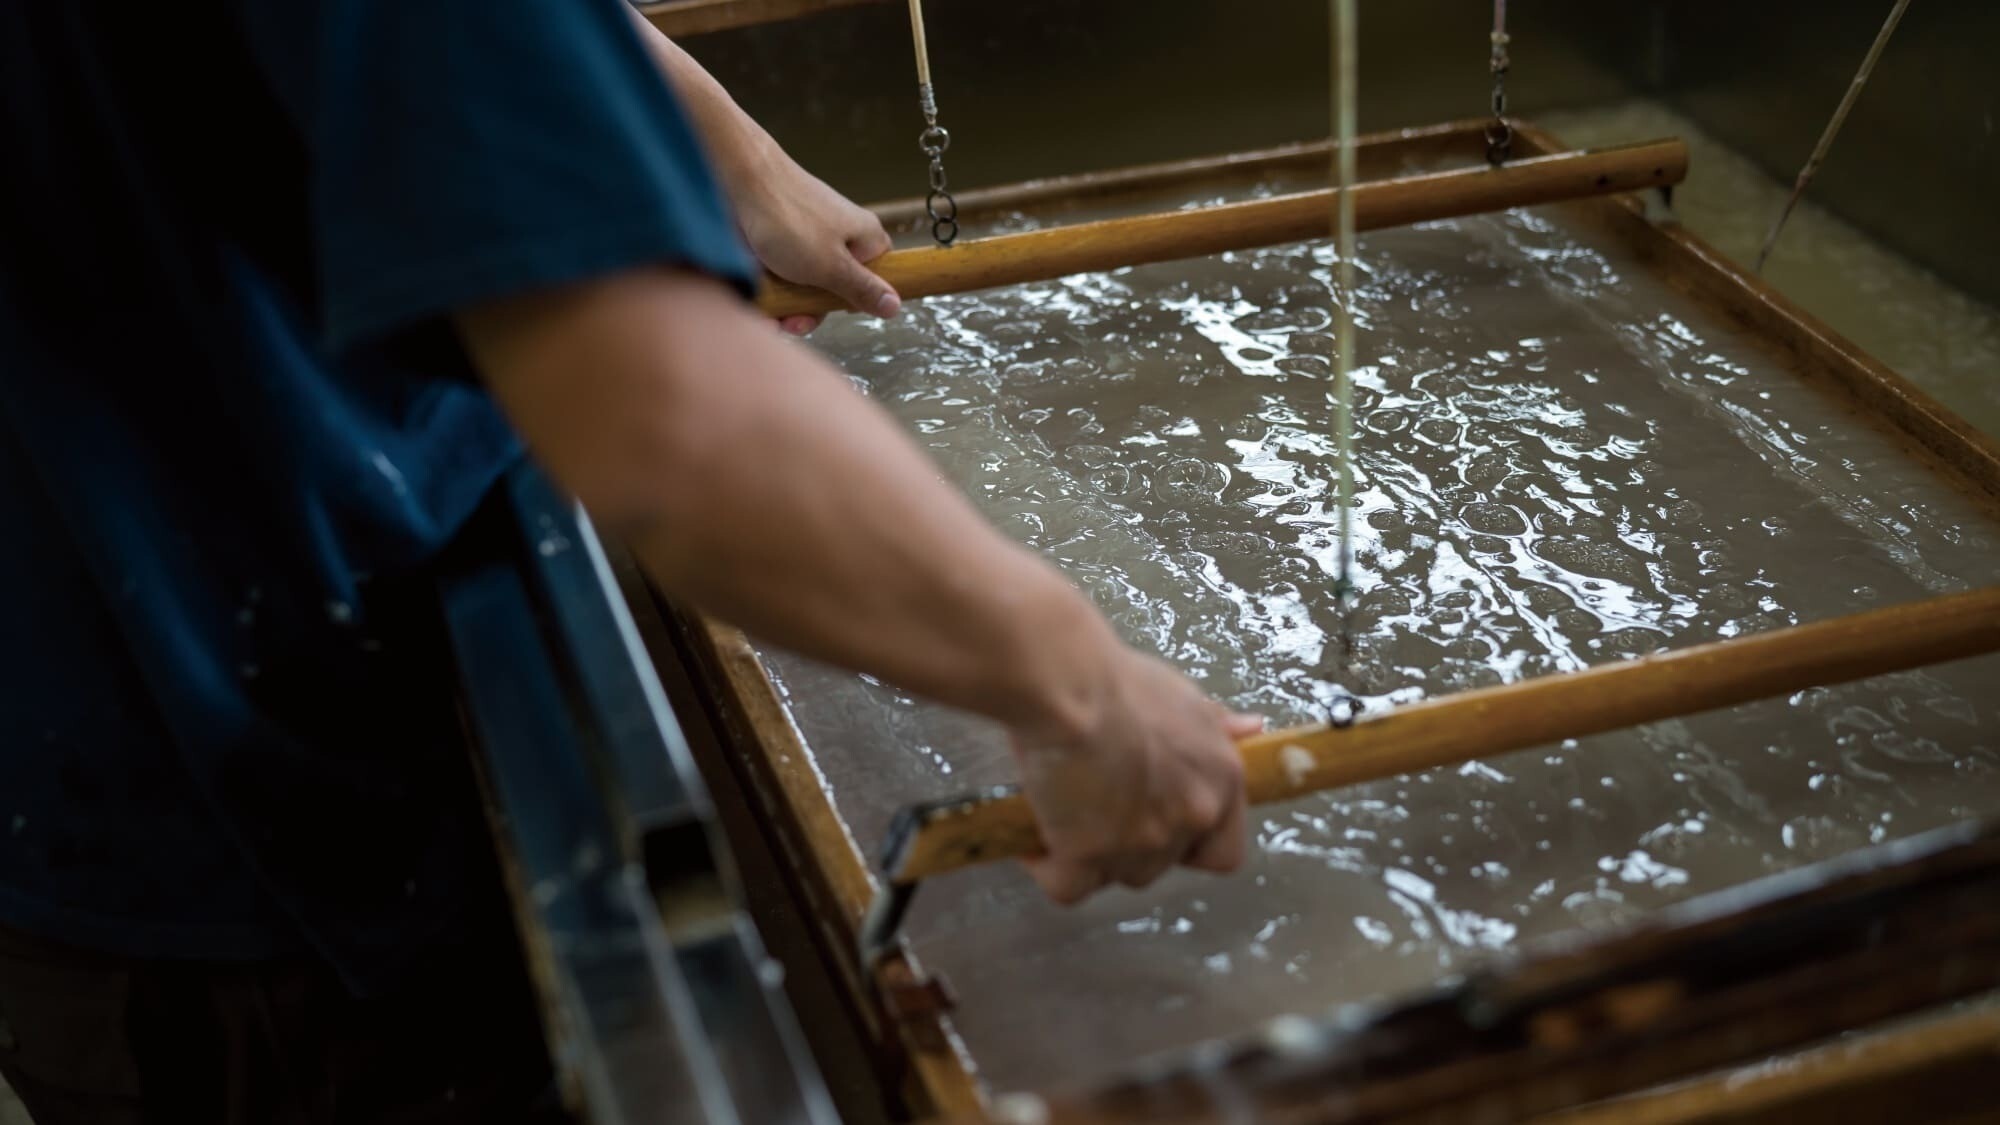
pixel 658 399
pixel 808 233
pixel 799 228
pixel 1155 781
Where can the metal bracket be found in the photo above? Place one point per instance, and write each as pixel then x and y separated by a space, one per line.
pixel 1658 206
pixel 915 1001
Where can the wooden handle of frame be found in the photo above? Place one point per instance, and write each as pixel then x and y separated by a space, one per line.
pixel 1009 259
pixel 1489 721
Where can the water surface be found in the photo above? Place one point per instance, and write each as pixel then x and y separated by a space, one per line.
pixel 1560 463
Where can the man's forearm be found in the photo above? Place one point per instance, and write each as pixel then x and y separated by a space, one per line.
pixel 739 147
pixel 756 484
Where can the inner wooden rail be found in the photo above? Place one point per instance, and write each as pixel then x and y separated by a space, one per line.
pixel 1489 721
pixel 1011 259
pixel 678 19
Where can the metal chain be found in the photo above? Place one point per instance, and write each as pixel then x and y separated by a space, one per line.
pixel 1500 134
pixel 934 140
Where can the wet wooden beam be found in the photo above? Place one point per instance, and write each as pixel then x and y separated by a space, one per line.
pixel 1377 156
pixel 1459 728
pixel 678 19
pixel 1933 1070
pixel 1731 977
pixel 1010 259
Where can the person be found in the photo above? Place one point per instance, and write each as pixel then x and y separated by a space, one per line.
pixel 284 290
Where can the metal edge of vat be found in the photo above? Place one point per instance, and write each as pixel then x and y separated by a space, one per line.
pixel 770 748
pixel 678 19
pixel 658 999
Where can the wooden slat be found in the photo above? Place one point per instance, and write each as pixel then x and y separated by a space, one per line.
pixel 753 718
pixel 1377 156
pixel 1935 1068
pixel 1779 964
pixel 678 19
pixel 1475 724
pixel 1009 259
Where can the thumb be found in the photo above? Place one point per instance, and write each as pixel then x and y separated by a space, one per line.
pixel 1065 882
pixel 862 289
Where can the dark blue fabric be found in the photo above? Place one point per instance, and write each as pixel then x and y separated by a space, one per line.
pixel 235 426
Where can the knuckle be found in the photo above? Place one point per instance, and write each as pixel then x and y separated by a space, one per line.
pixel 1153 836
pixel 1204 809
pixel 1097 852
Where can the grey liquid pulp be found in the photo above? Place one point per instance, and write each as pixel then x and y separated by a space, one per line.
pixel 1561 462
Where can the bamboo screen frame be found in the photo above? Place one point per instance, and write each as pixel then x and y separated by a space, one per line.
pixel 833 869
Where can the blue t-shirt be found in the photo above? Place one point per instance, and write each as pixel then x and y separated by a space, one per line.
pixel 236 424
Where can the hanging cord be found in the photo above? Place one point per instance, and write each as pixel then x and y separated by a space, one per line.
pixel 1346 707
pixel 1499 134
pixel 942 208
pixel 1818 156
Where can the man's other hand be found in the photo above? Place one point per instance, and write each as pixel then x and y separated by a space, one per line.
pixel 1150 779
pixel 807 233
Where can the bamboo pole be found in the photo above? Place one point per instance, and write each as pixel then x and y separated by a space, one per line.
pixel 1489 721
pixel 1010 259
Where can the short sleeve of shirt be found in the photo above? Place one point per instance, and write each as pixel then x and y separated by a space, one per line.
pixel 460 152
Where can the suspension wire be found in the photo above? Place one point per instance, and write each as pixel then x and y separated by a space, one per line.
pixel 934 140
pixel 1820 150
pixel 1347 707
pixel 1499 134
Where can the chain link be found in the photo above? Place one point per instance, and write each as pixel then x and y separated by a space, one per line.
pixel 934 140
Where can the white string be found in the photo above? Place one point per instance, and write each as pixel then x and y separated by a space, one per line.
pixel 1345 67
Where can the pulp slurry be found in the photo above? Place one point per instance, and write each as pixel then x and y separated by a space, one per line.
pixel 1561 462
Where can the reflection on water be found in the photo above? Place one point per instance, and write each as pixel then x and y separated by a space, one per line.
pixel 1560 463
